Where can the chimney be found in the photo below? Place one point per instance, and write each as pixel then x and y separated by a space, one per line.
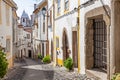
pixel 35 6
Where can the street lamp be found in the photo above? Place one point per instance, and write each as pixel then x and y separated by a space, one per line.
pixel 43 11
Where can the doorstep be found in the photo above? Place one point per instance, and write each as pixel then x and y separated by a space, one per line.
pixel 100 75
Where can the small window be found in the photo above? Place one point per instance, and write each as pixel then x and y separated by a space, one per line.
pixel 50 17
pixel 57 42
pixel 66 5
pixel 23 20
pixel 7 14
pixel 28 36
pixel 8 45
pixel 44 27
pixel 58 6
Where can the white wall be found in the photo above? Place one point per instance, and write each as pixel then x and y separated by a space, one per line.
pixel 67 22
pixel 4 29
pixel 83 11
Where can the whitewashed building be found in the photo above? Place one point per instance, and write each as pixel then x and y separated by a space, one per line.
pixel 24 43
pixel 99 37
pixel 40 31
pixel 6 28
pixel 66 31
pixel 94 37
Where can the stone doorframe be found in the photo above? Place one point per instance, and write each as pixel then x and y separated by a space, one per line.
pixel 115 37
pixel 65 52
pixel 98 12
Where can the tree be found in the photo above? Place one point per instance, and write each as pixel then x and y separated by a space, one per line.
pixel 3 63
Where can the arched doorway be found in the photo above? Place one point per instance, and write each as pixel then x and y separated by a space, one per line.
pixel 96 44
pixel 65 45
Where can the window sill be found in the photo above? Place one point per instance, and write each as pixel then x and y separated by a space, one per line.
pixel 66 11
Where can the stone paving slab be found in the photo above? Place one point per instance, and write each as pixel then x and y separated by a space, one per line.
pixel 35 70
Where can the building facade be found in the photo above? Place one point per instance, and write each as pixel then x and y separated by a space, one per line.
pixel 98 25
pixel 66 33
pixel 40 31
pixel 15 34
pixel 24 43
pixel 91 24
pixel 94 37
pixel 6 28
pixel 50 28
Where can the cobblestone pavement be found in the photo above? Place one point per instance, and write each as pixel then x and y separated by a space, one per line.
pixel 30 69
pixel 16 73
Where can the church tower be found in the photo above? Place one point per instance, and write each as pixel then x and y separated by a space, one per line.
pixel 25 21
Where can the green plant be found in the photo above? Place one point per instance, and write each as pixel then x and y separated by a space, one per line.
pixel 3 64
pixel 47 59
pixel 68 63
pixel 116 76
pixel 40 56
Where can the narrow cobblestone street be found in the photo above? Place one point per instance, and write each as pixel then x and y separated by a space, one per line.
pixel 29 69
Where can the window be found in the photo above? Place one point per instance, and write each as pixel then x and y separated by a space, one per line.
pixel 7 15
pixel 58 6
pixel 57 42
pixel 8 45
pixel 44 27
pixel 28 36
pixel 51 17
pixel 23 20
pixel 66 5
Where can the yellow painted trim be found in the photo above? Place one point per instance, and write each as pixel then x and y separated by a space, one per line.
pixel 8 37
pixel 57 37
pixel 66 11
pixel 11 3
pixel 54 39
pixel 58 14
pixel 10 62
pixel 79 38
pixel 60 62
pixel 39 7
pixel 8 15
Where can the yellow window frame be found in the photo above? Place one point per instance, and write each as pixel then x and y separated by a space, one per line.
pixel 7 15
pixel 66 10
pixel 58 13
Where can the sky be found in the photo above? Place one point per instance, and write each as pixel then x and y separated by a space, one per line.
pixel 27 5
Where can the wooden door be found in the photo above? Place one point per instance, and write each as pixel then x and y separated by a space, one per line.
pixel 74 48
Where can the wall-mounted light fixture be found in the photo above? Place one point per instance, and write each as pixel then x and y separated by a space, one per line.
pixel 44 10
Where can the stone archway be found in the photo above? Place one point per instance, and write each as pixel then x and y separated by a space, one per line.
pixel 97 18
pixel 115 37
pixel 65 45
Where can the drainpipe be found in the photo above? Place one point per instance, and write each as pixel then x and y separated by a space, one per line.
pixel 78 22
pixel 54 43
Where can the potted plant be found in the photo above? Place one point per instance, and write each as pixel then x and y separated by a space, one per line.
pixel 47 59
pixel 68 63
pixel 40 56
